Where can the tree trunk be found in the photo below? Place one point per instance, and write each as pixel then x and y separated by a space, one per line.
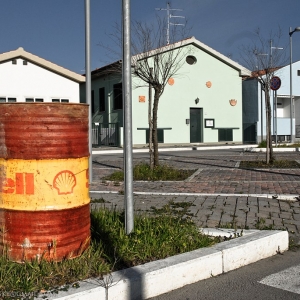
pixel 150 122
pixel 154 129
pixel 269 149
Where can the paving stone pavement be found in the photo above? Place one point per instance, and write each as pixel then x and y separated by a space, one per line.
pixel 206 192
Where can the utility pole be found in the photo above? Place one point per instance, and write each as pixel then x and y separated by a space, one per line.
pixel 88 79
pixel 127 107
pixel 169 16
pixel 274 93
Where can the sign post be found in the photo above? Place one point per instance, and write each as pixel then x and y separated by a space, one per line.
pixel 275 84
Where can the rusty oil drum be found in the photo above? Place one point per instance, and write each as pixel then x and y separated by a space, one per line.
pixel 44 188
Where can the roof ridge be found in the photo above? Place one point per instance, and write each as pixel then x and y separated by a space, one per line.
pixel 20 52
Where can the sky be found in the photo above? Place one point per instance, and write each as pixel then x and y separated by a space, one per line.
pixel 55 29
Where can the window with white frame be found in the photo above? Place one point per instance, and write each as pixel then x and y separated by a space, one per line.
pixel 32 99
pixel 7 99
pixel 62 100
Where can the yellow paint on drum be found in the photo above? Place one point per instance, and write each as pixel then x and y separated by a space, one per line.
pixel 44 184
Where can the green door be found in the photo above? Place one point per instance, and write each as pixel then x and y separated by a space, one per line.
pixel 196 127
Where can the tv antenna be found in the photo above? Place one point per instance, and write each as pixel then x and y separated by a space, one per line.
pixel 169 16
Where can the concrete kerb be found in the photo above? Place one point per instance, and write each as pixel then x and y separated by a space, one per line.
pixel 191 148
pixel 252 148
pixel 149 280
pixel 291 198
pixel 283 149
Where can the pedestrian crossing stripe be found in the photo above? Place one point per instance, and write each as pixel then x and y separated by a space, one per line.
pixel 288 280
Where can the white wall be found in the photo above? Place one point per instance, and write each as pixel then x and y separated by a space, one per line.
pixel 284 75
pixel 31 81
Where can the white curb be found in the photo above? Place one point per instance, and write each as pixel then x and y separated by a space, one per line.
pixel 283 149
pixel 291 198
pixel 167 149
pixel 158 277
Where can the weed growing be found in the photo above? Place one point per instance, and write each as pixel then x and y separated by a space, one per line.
pixel 263 144
pixel 179 209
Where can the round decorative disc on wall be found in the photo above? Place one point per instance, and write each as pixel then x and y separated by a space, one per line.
pixel 171 81
pixel 208 84
pixel 233 102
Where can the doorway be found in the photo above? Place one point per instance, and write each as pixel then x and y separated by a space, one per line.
pixel 196 125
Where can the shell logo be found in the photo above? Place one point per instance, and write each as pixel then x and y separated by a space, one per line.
pixel 21 184
pixel 64 182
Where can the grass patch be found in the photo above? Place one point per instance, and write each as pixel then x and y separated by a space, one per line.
pixel 32 277
pixel 279 164
pixel 154 237
pixel 161 172
pixel 263 144
pixel 297 145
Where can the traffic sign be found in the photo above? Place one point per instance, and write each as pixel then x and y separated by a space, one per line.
pixel 275 83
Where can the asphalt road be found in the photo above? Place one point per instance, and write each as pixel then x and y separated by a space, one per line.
pixel 245 283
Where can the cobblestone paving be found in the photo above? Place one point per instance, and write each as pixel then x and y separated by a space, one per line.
pixel 215 175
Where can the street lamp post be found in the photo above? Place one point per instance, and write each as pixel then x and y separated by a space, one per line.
pixel 127 106
pixel 291 79
pixel 261 94
pixel 274 94
pixel 88 78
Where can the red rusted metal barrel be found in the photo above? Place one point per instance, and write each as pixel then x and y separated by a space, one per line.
pixel 44 188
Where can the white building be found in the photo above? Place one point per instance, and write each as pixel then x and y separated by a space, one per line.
pixel 25 77
pixel 254 111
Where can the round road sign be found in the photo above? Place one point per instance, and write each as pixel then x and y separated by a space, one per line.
pixel 275 83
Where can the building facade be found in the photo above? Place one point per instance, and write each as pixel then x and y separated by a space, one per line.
pixel 26 77
pixel 201 104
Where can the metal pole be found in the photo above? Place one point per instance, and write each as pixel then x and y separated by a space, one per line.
pixel 273 112
pixel 150 121
pixel 261 116
pixel 88 80
pixel 276 118
pixel 291 86
pixel 127 106
pixel 168 20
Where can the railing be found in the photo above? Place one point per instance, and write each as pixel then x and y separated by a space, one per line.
pixel 105 134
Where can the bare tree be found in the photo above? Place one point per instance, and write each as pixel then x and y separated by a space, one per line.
pixel 155 63
pixel 264 64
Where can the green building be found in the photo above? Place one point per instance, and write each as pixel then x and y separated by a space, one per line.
pixel 202 103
